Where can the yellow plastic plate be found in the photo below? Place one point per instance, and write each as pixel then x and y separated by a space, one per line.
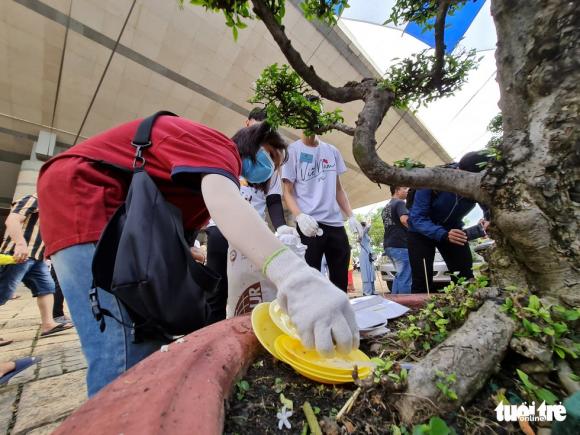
pixel 264 328
pixel 318 375
pixel 6 259
pixel 282 320
pixel 339 364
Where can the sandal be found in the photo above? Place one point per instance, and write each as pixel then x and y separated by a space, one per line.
pixel 20 365
pixel 58 328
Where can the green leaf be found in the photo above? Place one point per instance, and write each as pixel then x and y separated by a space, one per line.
pixel 534 303
pixel 546 396
pixel 574 377
pixel 560 328
pixel 422 429
pixel 525 380
pixel 286 402
pixel 438 426
pixel 549 331
pixel 559 352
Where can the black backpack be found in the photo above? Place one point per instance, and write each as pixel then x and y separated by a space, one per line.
pixel 144 260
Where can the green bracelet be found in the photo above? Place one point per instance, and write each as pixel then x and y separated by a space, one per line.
pixel 271 258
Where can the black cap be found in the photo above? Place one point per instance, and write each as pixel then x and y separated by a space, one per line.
pixel 474 161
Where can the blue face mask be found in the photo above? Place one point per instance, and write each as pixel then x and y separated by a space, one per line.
pixel 259 171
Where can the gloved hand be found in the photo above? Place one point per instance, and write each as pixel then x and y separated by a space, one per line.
pixel 320 311
pixel 307 224
pixel 355 226
pixel 286 230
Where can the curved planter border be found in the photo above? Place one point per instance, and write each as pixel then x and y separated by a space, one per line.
pixel 181 390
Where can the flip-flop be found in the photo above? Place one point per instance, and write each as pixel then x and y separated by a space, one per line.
pixel 5 342
pixel 59 328
pixel 20 365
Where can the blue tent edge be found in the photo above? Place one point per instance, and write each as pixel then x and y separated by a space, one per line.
pixel 456 26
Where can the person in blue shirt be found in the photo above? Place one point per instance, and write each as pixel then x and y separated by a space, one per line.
pixel 436 221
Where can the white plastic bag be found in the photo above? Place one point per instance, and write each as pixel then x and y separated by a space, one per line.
pixel 247 287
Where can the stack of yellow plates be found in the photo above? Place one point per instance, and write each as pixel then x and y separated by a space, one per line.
pixel 277 334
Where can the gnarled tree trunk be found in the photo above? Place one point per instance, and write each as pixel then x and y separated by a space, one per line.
pixel 535 187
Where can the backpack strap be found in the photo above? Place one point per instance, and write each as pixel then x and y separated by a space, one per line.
pixel 142 138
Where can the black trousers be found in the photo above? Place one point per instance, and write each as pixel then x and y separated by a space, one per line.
pixel 217 261
pixel 334 244
pixel 458 259
pixel 58 307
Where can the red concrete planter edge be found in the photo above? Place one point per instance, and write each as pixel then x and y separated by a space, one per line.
pixel 182 390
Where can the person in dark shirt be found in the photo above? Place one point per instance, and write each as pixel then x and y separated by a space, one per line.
pixel 395 216
pixel 436 221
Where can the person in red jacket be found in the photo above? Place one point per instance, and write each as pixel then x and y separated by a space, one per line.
pixel 197 169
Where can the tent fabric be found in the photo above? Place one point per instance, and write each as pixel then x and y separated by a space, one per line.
pixel 456 26
pixel 470 27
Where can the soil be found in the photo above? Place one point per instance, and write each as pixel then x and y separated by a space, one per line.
pixel 254 411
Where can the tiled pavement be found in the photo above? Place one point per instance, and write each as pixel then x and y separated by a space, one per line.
pixel 37 399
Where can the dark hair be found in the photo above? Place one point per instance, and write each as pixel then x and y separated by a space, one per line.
pixel 474 161
pixel 250 139
pixel 393 189
pixel 257 113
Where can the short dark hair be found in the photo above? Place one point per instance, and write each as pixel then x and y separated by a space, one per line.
pixel 257 114
pixel 250 139
pixel 393 189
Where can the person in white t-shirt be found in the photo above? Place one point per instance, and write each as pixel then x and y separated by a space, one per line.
pixel 315 196
pixel 263 195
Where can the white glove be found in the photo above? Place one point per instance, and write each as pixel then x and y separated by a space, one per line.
pixel 286 230
pixel 355 226
pixel 320 311
pixel 307 224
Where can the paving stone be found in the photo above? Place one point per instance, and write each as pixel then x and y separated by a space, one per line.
pixel 13 354
pixel 21 323
pixel 44 430
pixel 18 334
pixel 18 344
pixel 61 337
pixel 53 348
pixel 7 398
pixel 24 376
pixel 47 372
pixel 63 393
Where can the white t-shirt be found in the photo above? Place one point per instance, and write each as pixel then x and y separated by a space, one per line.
pixel 314 172
pixel 257 197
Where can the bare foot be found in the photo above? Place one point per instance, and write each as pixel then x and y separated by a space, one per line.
pixel 6 367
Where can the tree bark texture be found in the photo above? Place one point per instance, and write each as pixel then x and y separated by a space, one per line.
pixel 535 184
pixel 472 352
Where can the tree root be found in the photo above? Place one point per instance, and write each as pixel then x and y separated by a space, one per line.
pixel 472 353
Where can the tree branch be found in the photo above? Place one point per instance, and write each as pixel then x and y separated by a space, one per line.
pixel 346 129
pixel 437 73
pixel 377 103
pixel 343 94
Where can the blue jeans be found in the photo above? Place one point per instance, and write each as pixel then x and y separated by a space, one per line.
pixel 108 353
pixel 33 273
pixel 400 257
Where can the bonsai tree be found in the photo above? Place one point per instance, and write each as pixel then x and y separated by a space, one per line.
pixel 532 186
